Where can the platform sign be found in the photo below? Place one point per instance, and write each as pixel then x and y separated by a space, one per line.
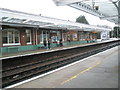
pixel 104 35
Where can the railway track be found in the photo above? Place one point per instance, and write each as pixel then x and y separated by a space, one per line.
pixel 18 69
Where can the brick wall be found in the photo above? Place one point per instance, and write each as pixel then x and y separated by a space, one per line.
pixel 38 37
pixel 23 37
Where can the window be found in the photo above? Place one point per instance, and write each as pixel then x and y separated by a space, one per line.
pixel 28 36
pixel 74 36
pixel 41 36
pixel 82 36
pixel 44 35
pixel 64 37
pixel 10 37
pixel 16 37
pixel 5 37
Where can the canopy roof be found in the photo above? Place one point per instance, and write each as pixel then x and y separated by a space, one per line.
pixel 105 9
pixel 16 18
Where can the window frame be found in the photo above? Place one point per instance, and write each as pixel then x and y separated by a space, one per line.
pixel 46 35
pixel 8 42
pixel 30 37
pixel 41 35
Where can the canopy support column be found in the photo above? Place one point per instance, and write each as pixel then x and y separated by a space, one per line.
pixel 0 36
pixel 119 13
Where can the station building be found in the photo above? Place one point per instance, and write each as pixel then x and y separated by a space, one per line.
pixel 23 31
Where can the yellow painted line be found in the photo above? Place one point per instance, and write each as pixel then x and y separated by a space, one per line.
pixel 81 72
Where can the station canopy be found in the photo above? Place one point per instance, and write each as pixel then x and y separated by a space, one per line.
pixel 21 19
pixel 105 9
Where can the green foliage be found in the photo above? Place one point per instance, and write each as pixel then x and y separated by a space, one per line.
pixel 82 19
pixel 115 33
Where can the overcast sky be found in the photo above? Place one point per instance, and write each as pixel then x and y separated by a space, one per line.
pixel 48 8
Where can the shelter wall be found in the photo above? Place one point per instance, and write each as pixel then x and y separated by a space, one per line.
pixel 27 38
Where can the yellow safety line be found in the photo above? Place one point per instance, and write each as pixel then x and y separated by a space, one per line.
pixel 81 72
pixel 98 62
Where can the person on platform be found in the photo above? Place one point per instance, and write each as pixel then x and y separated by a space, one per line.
pixel 61 43
pixel 49 42
pixel 44 42
pixel 87 40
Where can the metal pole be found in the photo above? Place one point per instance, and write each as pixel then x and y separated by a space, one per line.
pixel 118 13
pixel 118 17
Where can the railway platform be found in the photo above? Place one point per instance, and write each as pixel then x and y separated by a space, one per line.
pixel 18 54
pixel 97 71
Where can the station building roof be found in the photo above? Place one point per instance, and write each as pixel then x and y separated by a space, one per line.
pixel 105 9
pixel 21 19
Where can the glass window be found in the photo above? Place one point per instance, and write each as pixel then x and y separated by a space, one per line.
pixel 64 37
pixel 74 35
pixel 10 36
pixel 47 36
pixel 41 36
pixel 82 36
pixel 16 37
pixel 5 37
pixel 28 36
pixel 44 35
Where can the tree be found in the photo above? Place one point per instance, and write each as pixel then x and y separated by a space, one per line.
pixel 82 19
pixel 115 32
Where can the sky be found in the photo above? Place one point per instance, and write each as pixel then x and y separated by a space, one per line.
pixel 49 9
